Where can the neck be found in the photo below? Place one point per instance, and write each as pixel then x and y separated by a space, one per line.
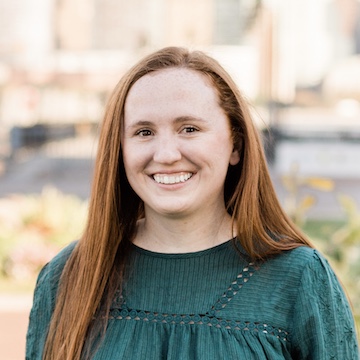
pixel 169 234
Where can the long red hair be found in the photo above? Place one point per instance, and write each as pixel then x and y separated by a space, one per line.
pixel 96 266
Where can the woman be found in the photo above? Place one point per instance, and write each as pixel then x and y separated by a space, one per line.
pixel 187 253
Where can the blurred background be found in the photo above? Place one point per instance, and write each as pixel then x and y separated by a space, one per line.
pixel 296 61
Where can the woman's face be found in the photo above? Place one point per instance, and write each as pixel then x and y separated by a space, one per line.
pixel 177 143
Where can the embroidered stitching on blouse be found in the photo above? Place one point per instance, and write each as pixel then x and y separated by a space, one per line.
pixel 175 319
pixel 234 287
pixel 120 312
pixel 327 313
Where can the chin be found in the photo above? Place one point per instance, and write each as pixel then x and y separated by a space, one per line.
pixel 172 211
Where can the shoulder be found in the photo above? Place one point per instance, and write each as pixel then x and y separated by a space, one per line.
pixel 304 275
pixel 300 256
pixel 44 302
pixel 52 271
pixel 300 270
pixel 311 265
pixel 294 262
pixel 59 261
pixel 300 260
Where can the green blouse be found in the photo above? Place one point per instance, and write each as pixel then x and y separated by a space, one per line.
pixel 215 304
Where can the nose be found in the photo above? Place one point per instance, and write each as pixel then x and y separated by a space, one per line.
pixel 167 150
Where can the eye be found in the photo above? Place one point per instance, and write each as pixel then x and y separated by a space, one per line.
pixel 144 132
pixel 189 129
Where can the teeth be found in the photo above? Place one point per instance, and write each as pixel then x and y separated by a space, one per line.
pixel 169 179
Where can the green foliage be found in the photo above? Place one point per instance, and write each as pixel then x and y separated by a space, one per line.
pixel 296 205
pixel 34 228
pixel 339 241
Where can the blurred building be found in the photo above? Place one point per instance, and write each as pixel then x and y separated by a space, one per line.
pixel 72 52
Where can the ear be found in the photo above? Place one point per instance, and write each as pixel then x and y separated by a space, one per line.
pixel 234 157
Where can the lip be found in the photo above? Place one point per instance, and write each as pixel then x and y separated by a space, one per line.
pixel 172 178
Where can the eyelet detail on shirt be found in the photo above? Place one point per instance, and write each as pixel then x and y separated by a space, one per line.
pixel 196 319
pixel 246 273
pixel 212 318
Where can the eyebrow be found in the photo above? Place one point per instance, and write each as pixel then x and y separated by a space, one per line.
pixel 179 119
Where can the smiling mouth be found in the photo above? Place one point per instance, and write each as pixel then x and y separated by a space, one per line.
pixel 172 179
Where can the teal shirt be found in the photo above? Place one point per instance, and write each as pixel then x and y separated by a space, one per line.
pixel 215 304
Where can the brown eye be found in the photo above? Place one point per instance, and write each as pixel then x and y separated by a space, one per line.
pixel 144 132
pixel 189 129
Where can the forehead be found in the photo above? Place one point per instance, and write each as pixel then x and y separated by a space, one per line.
pixel 175 80
pixel 170 94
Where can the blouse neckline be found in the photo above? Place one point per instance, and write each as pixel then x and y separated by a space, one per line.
pixel 194 254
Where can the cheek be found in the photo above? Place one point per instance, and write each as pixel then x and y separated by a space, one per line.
pixel 135 160
pixel 224 147
pixel 130 163
pixel 126 159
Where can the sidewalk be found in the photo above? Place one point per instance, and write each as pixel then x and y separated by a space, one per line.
pixel 14 317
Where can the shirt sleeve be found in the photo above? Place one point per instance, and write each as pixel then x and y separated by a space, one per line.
pixel 40 316
pixel 323 327
pixel 44 303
